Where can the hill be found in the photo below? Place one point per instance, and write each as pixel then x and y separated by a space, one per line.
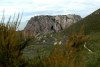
pixel 89 25
pixel 46 23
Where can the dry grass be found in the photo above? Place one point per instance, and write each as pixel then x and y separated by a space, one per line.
pixel 10 43
pixel 69 55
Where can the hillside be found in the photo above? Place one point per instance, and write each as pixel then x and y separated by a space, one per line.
pixel 89 25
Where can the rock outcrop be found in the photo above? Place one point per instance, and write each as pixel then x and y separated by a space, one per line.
pixel 46 23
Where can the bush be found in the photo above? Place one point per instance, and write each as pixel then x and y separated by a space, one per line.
pixel 10 43
pixel 72 54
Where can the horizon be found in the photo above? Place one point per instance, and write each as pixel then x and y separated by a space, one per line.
pixel 32 8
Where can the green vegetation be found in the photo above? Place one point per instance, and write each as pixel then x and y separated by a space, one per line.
pixel 76 46
pixel 89 50
pixel 92 28
pixel 11 43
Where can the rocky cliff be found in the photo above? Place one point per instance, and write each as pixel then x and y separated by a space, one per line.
pixel 46 23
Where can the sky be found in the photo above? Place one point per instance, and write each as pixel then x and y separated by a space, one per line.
pixel 31 8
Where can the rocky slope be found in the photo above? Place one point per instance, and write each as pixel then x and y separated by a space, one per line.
pixel 46 23
pixel 91 28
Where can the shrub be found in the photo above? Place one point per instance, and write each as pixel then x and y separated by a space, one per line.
pixel 11 42
pixel 72 54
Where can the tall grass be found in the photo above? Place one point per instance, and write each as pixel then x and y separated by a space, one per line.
pixel 72 54
pixel 11 42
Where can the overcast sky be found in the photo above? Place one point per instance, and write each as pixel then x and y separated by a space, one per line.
pixel 47 7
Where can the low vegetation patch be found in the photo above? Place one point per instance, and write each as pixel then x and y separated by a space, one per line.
pixel 11 43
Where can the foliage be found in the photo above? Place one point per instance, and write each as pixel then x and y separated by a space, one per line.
pixel 10 43
pixel 69 55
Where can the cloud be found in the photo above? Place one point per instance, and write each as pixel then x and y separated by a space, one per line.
pixel 51 7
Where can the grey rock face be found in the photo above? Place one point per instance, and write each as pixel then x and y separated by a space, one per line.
pixel 45 24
